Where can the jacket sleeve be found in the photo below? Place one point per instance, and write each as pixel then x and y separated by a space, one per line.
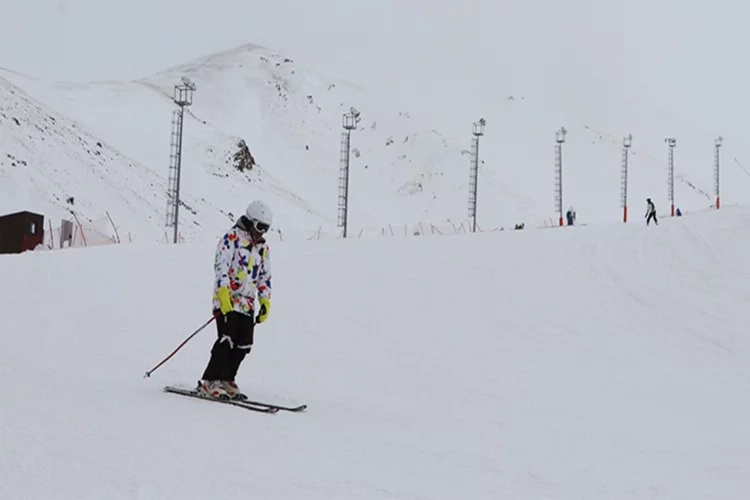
pixel 223 259
pixel 264 276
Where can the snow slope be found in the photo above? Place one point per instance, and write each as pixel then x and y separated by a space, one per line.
pixel 47 159
pixel 601 362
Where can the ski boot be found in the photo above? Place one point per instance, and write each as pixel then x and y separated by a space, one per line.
pixel 232 390
pixel 212 389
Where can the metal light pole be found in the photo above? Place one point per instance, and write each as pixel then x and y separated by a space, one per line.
pixel 478 132
pixel 183 96
pixel 560 139
pixel 672 142
pixel 626 143
pixel 717 145
pixel 350 122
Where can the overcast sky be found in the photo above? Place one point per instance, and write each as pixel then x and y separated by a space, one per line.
pixel 604 57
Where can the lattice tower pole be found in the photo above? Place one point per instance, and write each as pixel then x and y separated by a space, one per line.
pixel 672 142
pixel 174 168
pixel 349 123
pixel 560 140
pixel 717 146
pixel 478 131
pixel 626 143
pixel 183 97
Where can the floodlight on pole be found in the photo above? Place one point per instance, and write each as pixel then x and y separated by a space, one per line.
pixel 672 142
pixel 183 97
pixel 350 121
pixel 717 145
pixel 560 140
pixel 626 144
pixel 478 131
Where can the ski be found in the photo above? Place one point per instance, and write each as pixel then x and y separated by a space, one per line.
pixel 295 409
pixel 234 402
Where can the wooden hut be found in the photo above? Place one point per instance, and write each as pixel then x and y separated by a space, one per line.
pixel 21 231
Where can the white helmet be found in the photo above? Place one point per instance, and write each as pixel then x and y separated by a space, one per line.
pixel 257 211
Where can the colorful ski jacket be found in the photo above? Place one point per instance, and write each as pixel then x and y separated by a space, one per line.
pixel 244 267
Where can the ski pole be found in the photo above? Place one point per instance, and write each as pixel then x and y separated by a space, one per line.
pixel 152 370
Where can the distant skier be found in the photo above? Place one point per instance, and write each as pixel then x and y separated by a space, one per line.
pixel 571 215
pixel 651 212
pixel 242 270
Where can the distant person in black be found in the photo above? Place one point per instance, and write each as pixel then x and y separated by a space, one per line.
pixel 651 212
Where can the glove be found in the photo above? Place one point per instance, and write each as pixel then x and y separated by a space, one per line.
pixel 225 303
pixel 265 308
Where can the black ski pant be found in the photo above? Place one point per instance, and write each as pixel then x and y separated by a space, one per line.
pixel 652 215
pixel 234 342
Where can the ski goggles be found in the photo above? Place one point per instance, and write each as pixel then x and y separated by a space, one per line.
pixel 261 227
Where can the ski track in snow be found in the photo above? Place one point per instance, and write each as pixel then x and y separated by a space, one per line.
pixel 586 363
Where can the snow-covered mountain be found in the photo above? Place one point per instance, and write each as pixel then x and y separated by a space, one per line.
pixel 403 171
pixel 528 69
pixel 290 117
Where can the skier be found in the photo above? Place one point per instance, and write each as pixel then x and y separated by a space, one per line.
pixel 651 212
pixel 242 273
pixel 571 215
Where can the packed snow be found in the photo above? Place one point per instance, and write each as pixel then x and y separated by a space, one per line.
pixel 600 362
